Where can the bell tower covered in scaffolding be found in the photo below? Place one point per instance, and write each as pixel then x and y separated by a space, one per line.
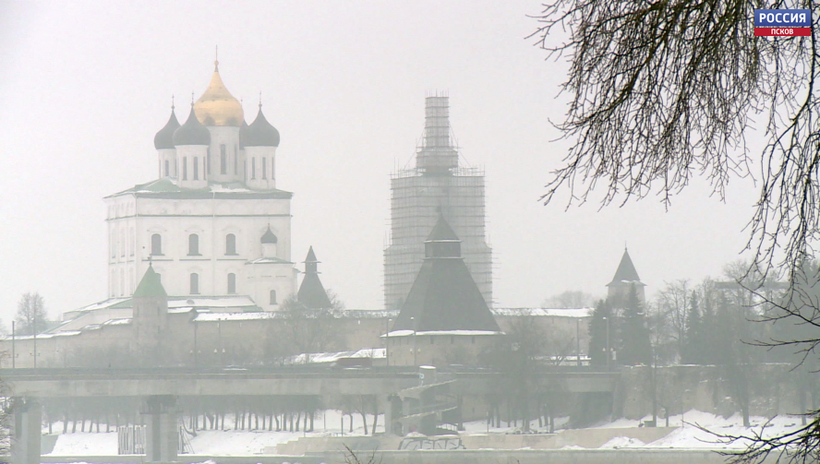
pixel 436 186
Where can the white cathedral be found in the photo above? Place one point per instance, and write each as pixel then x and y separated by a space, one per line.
pixel 213 222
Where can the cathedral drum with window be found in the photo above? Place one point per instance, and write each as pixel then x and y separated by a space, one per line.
pixel 213 222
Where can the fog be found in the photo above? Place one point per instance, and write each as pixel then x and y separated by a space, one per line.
pixel 86 85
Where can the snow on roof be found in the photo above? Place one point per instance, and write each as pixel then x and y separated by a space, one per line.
pixel 329 357
pixel 251 316
pixel 405 333
pixel 102 304
pixel 44 336
pixel 543 312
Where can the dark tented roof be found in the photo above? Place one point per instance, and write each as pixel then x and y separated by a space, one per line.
pixel 269 237
pixel 445 297
pixel 165 136
pixel 311 256
pixel 442 231
pixel 626 271
pixel 312 293
pixel 260 133
pixel 150 285
pixel 192 132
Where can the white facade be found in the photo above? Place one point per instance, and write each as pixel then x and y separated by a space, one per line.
pixel 201 222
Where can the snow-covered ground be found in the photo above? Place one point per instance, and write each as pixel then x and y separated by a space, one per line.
pixel 231 442
pixel 219 442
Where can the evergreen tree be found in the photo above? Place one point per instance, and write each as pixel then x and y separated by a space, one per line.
pixel 635 345
pixel 692 352
pixel 597 333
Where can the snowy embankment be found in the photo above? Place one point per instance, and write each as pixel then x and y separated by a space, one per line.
pixel 235 442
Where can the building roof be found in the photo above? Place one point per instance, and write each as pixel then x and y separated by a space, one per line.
pixel 260 133
pixel 165 137
pixel 442 232
pixel 169 188
pixel 444 296
pixel 192 132
pixel 269 236
pixel 150 285
pixel 217 107
pixel 311 256
pixel 626 271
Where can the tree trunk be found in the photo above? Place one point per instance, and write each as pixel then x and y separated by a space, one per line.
pixel 375 414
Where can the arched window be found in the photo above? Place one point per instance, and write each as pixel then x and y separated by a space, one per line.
pixel 223 160
pixel 193 245
pixel 273 297
pixel 230 244
pixel 264 168
pixel 231 283
pixel 272 169
pixel 235 160
pixel 196 168
pixel 253 168
pixel 184 168
pixel 167 168
pixel 156 245
pixel 194 283
pixel 123 244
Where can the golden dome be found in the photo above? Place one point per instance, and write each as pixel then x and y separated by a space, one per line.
pixel 217 107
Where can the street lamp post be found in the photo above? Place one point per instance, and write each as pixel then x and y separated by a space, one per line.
pixel 608 349
pixel 387 341
pixel 415 346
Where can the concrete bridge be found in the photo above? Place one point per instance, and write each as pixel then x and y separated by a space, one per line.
pixel 161 387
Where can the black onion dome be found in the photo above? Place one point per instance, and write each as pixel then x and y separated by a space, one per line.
pixel 261 133
pixel 165 136
pixel 269 237
pixel 192 132
pixel 242 129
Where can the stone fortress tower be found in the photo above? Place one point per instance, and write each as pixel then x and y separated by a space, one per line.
pixel 625 279
pixel 213 222
pixel 437 186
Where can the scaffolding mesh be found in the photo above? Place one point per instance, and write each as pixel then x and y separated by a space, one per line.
pixel 436 186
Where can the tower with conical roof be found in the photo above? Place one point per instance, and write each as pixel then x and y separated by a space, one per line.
pixel 626 277
pixel 312 293
pixel 444 306
pixel 201 220
pixel 437 185
pixel 150 316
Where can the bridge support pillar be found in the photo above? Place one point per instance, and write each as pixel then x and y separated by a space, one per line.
pixel 162 429
pixel 26 431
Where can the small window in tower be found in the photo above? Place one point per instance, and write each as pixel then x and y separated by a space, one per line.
pixel 196 168
pixel 156 245
pixel 272 169
pixel 273 297
pixel 193 245
pixel 123 244
pixel 206 164
pixel 223 160
pixel 264 168
pixel 253 168
pixel 231 283
pixel 167 168
pixel 194 283
pixel 235 160
pixel 230 244
pixel 184 168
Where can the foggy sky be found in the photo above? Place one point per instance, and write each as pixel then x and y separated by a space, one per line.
pixel 85 86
